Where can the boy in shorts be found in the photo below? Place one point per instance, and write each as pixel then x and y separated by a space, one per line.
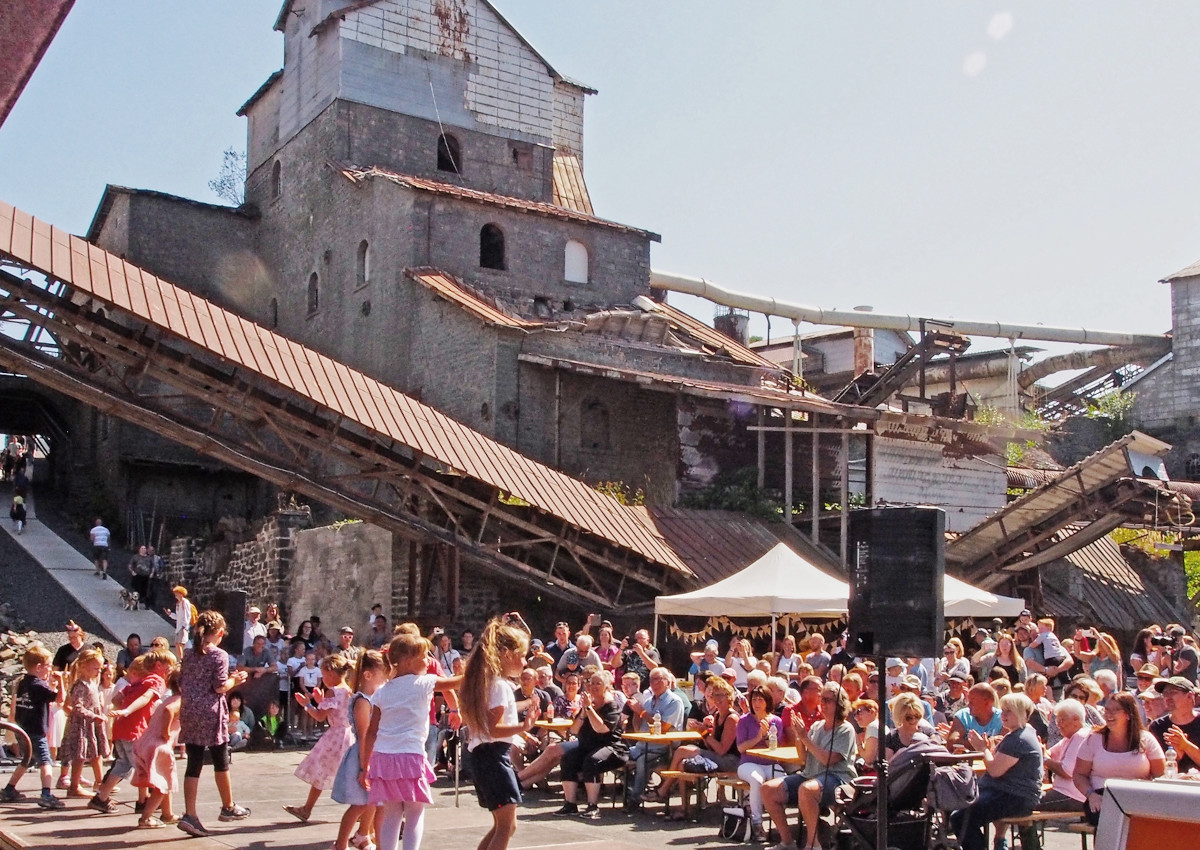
pixel 38 688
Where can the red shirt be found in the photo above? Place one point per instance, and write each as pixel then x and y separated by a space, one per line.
pixel 131 727
pixel 432 666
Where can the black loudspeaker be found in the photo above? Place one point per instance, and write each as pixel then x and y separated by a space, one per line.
pixel 232 605
pixel 897 566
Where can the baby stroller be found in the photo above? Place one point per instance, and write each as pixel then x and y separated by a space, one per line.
pixel 910 819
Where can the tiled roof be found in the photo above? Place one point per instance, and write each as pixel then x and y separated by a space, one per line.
pixel 423 184
pixel 376 407
pixel 1187 271
pixel 455 291
pixel 570 190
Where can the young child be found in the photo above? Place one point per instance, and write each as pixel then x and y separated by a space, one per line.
pixel 184 616
pixel 369 675
pixel 17 514
pixel 392 762
pixel 132 709
pixel 1047 641
pixel 490 711
pixel 37 689
pixel 308 677
pixel 320 766
pixel 84 739
pixel 154 759
pixel 239 732
pixel 274 723
pixel 108 690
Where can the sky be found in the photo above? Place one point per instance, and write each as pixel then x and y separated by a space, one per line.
pixel 1022 162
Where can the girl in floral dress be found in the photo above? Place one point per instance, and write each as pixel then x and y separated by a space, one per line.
pixel 85 738
pixel 154 758
pixel 320 766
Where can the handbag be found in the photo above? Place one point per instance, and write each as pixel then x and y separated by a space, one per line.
pixel 735 824
pixel 699 764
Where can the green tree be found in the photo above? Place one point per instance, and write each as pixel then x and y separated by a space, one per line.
pixel 230 183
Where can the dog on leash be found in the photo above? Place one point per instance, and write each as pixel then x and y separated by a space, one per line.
pixel 130 600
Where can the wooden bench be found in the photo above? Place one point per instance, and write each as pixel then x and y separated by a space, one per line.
pixel 1083 830
pixel 697 782
pixel 1037 819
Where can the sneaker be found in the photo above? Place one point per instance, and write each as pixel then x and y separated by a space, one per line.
pixel 568 809
pixel 48 801
pixel 234 812
pixel 592 812
pixel 10 794
pixel 193 827
pixel 107 807
pixel 64 781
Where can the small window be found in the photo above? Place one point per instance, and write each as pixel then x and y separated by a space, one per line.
pixel 363 276
pixel 274 313
pixel 491 248
pixel 576 262
pixel 448 155
pixel 1192 469
pixel 277 179
pixel 314 293
pixel 522 158
pixel 593 426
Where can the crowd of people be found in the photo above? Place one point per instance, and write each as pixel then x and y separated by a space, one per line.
pixel 1036 709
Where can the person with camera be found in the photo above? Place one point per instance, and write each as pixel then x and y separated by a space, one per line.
pixel 1185 661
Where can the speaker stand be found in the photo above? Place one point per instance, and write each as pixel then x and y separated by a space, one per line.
pixel 881 765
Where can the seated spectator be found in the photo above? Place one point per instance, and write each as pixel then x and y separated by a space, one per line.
pixel 570 703
pixel 951 663
pixel 808 708
pixel 705 661
pixel 1012 782
pixel 346 646
pixel 909 713
pixel 740 659
pixel 529 695
pixel 782 695
pixel 980 716
pixel 575 659
pixel 865 719
pixel 1120 749
pixel 239 732
pixel 1063 796
pixel 274 723
pixel 1180 726
pixel 1150 701
pixel 752 733
pixel 954 694
pixel 256 660
pixel 237 703
pixel 597 728
pixel 659 699
pixel 308 678
pixel 1085 691
pixel 539 658
pixel 855 685
pixel 546 682
pixel 828 748
pixel 718 741
pixel 1107 680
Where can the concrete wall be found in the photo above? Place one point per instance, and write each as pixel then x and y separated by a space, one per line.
pixel 338 573
pixel 968 489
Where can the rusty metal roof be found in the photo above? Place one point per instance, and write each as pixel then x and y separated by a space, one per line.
pixel 348 392
pixel 452 289
pixel 712 339
pixel 715 544
pixel 359 174
pixel 1053 502
pixel 570 190
pixel 1098 577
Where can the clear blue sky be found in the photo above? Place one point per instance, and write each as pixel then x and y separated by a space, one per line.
pixel 1029 162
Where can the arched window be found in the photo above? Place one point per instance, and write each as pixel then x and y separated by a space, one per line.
pixel 491 247
pixel 276 179
pixel 449 156
pixel 576 262
pixel 593 425
pixel 1192 469
pixel 363 276
pixel 274 312
pixel 314 294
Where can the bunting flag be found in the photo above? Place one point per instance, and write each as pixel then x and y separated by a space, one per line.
pixel 784 625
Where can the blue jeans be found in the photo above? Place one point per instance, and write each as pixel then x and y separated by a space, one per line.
pixel 970 824
pixel 644 757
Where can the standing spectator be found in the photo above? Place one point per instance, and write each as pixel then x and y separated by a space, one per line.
pixel 607 650
pixel 346 647
pixel 1186 659
pixel 254 627
pixel 561 642
pixel 256 661
pixel 131 650
pixel 817 656
pixel 1180 726
pixel 740 659
pixel 140 568
pixel 706 662
pixel 184 616
pixel 443 651
pixel 18 514
pixel 1120 749
pixel 204 720
pixel 99 536
pixel 380 635
pixel 786 663
pixel 640 657
pixel 157 570
pixel 467 642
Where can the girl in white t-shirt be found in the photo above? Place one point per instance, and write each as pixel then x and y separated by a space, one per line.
pixel 392 762
pixel 490 711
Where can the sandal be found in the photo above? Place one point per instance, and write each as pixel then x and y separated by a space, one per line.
pixel 150 823
pixel 654 797
pixel 298 813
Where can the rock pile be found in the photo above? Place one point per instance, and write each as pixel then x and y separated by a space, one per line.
pixel 12 647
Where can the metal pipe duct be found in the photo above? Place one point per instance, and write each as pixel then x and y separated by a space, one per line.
pixel 849 318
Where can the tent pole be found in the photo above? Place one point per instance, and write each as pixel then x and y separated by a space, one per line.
pixel 655 642
pixel 771 646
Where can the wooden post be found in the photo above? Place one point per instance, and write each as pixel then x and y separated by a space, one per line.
pixel 844 497
pixel 762 450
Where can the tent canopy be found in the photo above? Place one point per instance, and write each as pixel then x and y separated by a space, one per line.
pixel 783 582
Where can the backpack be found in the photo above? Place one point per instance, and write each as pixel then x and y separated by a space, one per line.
pixel 193 613
pixel 952 787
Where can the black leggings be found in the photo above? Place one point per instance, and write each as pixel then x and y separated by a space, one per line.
pixel 578 765
pixel 195 759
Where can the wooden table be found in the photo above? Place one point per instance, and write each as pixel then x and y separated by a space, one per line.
pixel 782 755
pixel 560 725
pixel 670 740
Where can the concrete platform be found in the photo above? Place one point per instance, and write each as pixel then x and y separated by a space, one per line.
pixel 100 597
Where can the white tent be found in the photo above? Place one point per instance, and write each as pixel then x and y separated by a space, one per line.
pixel 783 582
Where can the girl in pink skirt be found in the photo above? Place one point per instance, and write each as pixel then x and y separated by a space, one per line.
pixel 392 762
pixel 320 766
pixel 154 759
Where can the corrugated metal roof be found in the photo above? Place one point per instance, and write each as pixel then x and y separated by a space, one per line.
pixel 712 338
pixel 570 190
pixel 348 392
pixel 1073 486
pixel 1024 478
pixel 793 400
pixel 1109 586
pixel 715 544
pixel 359 174
pixel 455 291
